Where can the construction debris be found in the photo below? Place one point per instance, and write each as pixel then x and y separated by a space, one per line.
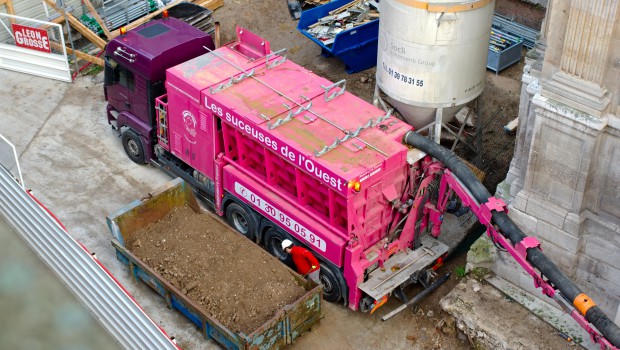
pixel 500 41
pixel 511 127
pixel 316 2
pixel 346 17
pixel 466 116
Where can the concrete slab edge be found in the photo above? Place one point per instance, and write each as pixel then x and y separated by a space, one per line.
pixel 553 316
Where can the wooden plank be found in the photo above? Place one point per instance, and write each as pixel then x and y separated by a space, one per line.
pixel 95 14
pixel 144 19
pixel 79 54
pixel 9 6
pixel 58 20
pixel 511 126
pixel 75 23
pixel 9 9
pixel 210 4
pixel 344 7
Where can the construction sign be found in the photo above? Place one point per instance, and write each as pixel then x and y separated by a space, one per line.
pixel 31 38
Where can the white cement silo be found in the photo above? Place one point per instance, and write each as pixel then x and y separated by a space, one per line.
pixel 432 54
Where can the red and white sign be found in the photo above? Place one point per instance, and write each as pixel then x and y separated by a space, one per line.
pixel 31 38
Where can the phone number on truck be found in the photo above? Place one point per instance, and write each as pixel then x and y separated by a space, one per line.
pixel 280 217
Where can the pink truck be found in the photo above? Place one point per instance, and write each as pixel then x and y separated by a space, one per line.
pixel 285 154
pixel 279 151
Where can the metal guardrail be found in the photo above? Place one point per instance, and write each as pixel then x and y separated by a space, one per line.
pixel 9 160
pixel 509 26
pixel 115 309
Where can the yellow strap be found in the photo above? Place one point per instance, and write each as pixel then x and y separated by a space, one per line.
pixel 583 303
pixel 446 6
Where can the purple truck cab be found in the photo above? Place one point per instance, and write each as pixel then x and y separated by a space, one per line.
pixel 135 72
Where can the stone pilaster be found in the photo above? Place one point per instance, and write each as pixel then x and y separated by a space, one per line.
pixel 516 173
pixel 565 175
pixel 532 72
pixel 558 170
pixel 579 82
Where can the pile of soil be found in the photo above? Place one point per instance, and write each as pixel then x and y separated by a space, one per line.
pixel 231 278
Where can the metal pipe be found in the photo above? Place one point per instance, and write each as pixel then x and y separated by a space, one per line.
pixel 64 13
pixel 418 297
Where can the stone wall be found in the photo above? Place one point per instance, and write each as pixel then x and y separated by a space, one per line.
pixel 564 179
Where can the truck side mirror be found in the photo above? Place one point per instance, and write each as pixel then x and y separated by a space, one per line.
pixel 110 72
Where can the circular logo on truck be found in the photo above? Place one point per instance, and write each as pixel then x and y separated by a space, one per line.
pixel 189 121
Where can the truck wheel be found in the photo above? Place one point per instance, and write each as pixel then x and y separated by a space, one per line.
pixel 331 286
pixel 133 146
pixel 273 243
pixel 366 304
pixel 241 220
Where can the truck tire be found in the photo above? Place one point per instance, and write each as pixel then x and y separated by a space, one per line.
pixel 133 146
pixel 273 243
pixel 331 286
pixel 241 220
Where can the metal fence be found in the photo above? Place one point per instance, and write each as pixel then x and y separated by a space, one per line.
pixel 9 160
pixel 34 47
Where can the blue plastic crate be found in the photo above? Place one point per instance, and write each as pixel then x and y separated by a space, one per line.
pixel 356 47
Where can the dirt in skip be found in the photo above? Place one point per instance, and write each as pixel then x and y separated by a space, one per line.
pixel 232 279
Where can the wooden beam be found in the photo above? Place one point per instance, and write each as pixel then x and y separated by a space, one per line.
pixel 9 9
pixel 58 20
pixel 511 126
pixel 9 6
pixel 95 14
pixel 87 33
pixel 79 54
pixel 210 4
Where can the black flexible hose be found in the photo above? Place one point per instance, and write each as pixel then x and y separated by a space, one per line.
pixel 507 227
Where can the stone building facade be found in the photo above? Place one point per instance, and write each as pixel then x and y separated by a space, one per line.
pixel 564 180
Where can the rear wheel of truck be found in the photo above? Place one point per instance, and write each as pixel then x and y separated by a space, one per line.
pixel 273 243
pixel 331 286
pixel 133 146
pixel 241 220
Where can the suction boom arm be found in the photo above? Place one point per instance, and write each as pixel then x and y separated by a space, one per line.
pixel 492 213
